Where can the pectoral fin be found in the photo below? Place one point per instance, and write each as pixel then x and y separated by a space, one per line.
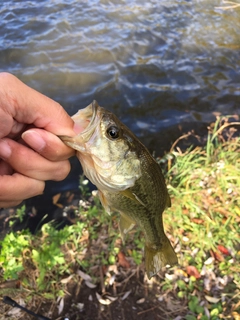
pixel 129 194
pixel 104 202
pixel 126 224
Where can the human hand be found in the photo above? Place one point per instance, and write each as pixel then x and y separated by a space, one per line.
pixel 30 151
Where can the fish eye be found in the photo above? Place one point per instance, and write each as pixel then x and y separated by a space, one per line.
pixel 113 132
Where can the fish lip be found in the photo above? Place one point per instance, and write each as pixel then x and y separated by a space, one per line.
pixel 95 108
pixel 90 113
pixel 93 115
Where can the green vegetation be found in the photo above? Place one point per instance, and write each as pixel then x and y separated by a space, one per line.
pixel 203 225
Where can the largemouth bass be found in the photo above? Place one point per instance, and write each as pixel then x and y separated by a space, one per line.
pixel 128 179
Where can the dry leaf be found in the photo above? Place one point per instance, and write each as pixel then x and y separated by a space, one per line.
pixel 106 301
pixel 209 261
pixel 84 276
pixel 223 250
pixel 122 260
pixel 180 273
pixel 13 284
pixel 172 304
pixel 80 306
pixel 236 316
pixel 197 221
pixel 70 198
pixel 212 299
pixel 126 294
pixel 16 312
pixel 217 255
pixel 55 199
pixel 140 301
pixel 171 277
pixel 61 305
pixel 112 298
pixel 90 284
pixel 66 280
pixel 223 211
pixel 192 271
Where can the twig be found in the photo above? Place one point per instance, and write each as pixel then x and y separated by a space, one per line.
pixel 172 312
pixel 144 311
pixel 174 145
pixel 223 127
pixel 102 280
pixel 180 138
pixel 126 280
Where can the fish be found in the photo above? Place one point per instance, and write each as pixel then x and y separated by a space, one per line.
pixel 128 179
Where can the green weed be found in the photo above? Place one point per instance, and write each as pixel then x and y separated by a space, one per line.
pixel 12 252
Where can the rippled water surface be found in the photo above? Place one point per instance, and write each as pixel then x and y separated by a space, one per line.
pixel 156 64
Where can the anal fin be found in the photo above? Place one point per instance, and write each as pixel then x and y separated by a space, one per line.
pixel 126 224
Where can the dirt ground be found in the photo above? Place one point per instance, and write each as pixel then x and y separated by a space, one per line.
pixel 129 298
pixel 134 300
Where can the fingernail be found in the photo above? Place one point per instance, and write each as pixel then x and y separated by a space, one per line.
pixel 34 140
pixel 5 150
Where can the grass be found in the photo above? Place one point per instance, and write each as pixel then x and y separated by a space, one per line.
pixel 203 224
pixel 204 184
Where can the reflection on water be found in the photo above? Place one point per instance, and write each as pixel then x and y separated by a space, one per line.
pixel 150 56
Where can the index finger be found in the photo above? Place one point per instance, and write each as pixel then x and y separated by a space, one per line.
pixel 26 105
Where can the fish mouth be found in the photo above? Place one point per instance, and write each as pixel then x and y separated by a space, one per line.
pixel 86 121
pixel 86 117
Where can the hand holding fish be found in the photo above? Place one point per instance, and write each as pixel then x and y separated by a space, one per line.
pixel 30 152
pixel 128 179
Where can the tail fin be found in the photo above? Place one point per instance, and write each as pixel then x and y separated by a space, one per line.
pixel 159 258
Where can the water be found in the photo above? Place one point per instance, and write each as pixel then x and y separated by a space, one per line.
pixel 164 67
